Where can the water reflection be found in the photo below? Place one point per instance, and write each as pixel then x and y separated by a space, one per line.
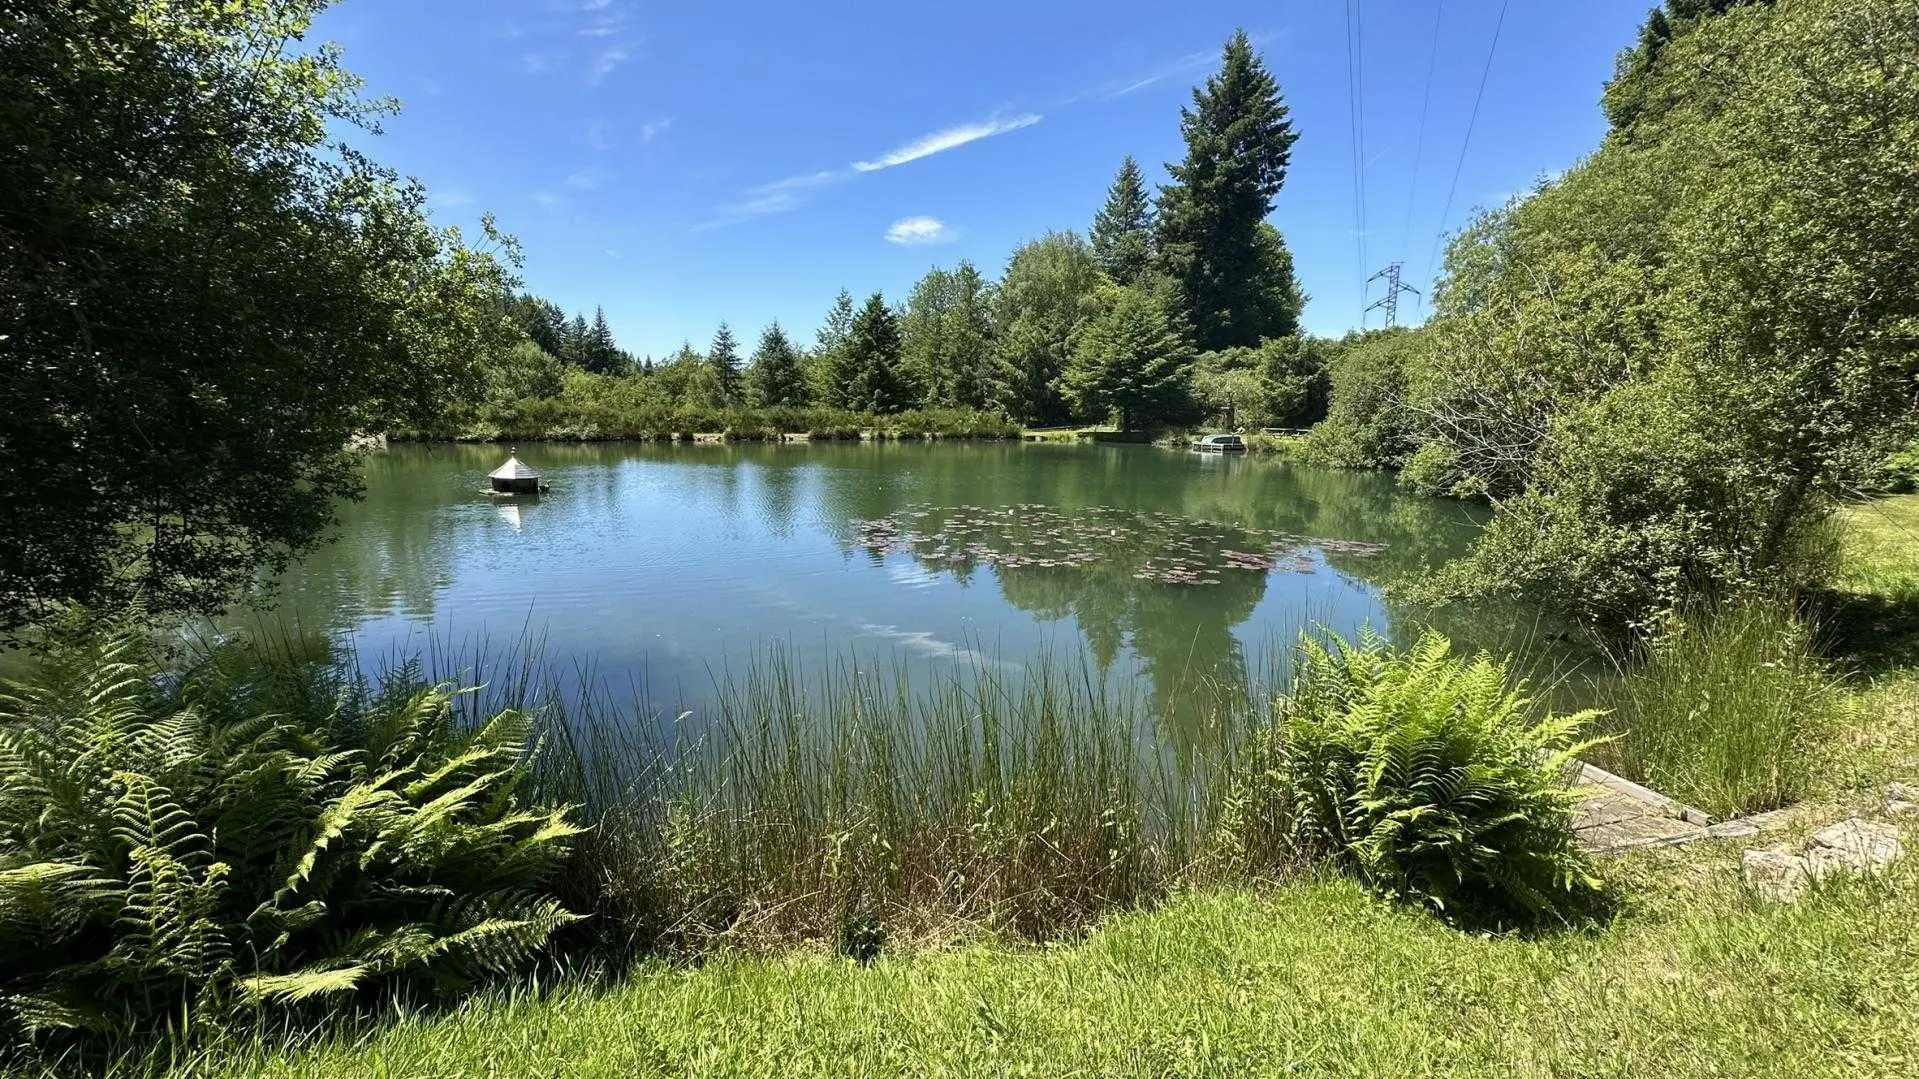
pixel 667 564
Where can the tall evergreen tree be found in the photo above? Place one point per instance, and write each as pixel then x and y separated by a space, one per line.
pixel 829 369
pixel 1123 228
pixel 1239 141
pixel 598 351
pixel 872 360
pixel 776 378
pixel 724 358
pixel 1132 363
pixel 573 342
pixel 543 322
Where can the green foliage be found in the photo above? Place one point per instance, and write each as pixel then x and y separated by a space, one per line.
pixel 203 298
pixel 724 359
pixel 1234 273
pixel 1435 780
pixel 1133 364
pixel 776 379
pixel 1668 363
pixel 1724 708
pixel 869 362
pixel 946 338
pixel 828 371
pixel 1122 231
pixel 1050 290
pixel 1284 382
pixel 1367 424
pixel 183 849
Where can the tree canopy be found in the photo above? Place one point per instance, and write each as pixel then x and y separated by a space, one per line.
pixel 196 314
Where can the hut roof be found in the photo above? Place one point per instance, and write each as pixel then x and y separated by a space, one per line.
pixel 514 469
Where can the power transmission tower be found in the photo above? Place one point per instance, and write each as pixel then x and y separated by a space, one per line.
pixel 1390 301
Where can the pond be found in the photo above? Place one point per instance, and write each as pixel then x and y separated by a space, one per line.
pixel 659 568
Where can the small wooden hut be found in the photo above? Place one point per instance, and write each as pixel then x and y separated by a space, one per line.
pixel 515 477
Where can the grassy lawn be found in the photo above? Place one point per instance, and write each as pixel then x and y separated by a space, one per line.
pixel 1693 977
pixel 1696 978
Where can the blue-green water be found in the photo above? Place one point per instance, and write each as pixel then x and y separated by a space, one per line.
pixel 661 567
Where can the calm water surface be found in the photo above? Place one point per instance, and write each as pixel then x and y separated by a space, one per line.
pixel 660 567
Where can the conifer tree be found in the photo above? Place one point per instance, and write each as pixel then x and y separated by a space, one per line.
pixel 872 360
pixel 724 357
pixel 598 351
pixel 831 375
pixel 573 341
pixel 925 352
pixel 776 378
pixel 1132 363
pixel 1123 228
pixel 1233 284
pixel 969 339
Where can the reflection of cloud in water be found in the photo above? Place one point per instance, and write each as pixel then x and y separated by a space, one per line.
pixel 510 513
pixel 910 574
pixel 927 644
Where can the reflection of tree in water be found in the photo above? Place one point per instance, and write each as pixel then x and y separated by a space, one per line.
pixel 1182 635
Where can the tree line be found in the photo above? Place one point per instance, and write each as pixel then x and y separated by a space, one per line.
pixel 1175 304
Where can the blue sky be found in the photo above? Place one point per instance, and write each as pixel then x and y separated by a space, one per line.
pixel 684 163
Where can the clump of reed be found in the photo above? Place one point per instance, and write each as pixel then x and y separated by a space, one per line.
pixel 859 808
pixel 1723 708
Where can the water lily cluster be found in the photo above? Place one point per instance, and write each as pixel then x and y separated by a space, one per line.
pixel 1161 547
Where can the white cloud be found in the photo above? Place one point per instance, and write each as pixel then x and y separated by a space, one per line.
pixel 1192 62
pixel 546 200
pixel 916 231
pixel 584 180
pixel 653 129
pixel 597 136
pixel 938 141
pixel 537 63
pixel 450 198
pixel 605 63
pixel 774 198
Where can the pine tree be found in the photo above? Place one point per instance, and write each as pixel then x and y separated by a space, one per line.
pixel 1132 363
pixel 573 342
pixel 1123 228
pixel 598 352
pixel 1239 140
pixel 724 357
pixel 776 378
pixel 831 375
pixel 872 360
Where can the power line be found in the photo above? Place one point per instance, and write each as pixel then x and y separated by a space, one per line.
pixel 1355 102
pixel 1466 144
pixel 1419 142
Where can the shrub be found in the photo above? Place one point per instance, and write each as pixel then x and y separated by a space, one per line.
pixel 1723 709
pixel 1433 778
pixel 179 850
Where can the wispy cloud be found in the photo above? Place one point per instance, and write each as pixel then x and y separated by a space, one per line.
pixel 1190 63
pixel 941 141
pixel 538 63
pixel 919 231
pixel 546 200
pixel 585 180
pixel 653 129
pixel 607 62
pixel 774 198
pixel 597 136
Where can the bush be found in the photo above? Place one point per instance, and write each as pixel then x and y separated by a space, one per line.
pixel 1433 778
pixel 179 850
pixel 1722 710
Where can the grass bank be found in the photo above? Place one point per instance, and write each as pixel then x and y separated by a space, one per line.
pixel 1696 979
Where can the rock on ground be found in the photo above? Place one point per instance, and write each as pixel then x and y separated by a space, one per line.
pixel 1782 875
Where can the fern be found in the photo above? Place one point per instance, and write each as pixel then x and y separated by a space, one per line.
pixel 177 847
pixel 1431 776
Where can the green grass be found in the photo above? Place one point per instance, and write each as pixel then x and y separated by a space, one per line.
pixel 1316 979
pixel 1726 710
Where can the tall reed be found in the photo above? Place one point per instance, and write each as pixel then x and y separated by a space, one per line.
pixel 1723 709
